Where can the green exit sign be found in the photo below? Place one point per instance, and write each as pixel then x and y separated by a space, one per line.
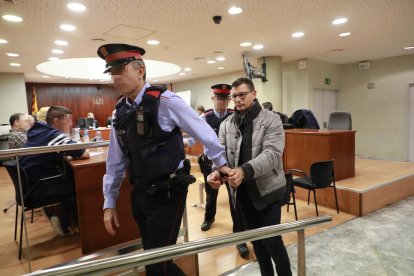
pixel 327 81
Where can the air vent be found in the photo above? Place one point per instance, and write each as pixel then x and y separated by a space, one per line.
pixel 364 65
pixel 98 39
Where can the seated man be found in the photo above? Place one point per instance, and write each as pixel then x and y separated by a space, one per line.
pixel 91 116
pixel 19 125
pixel 55 132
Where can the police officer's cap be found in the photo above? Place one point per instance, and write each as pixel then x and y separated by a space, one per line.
pixel 221 89
pixel 118 54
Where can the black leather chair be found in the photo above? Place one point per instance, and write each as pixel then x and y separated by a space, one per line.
pixel 289 196
pixel 44 192
pixel 321 176
pixel 340 120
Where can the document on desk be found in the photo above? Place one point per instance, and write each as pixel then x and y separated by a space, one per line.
pixel 94 153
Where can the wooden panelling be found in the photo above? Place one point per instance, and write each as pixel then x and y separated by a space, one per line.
pixel 80 98
pixel 306 146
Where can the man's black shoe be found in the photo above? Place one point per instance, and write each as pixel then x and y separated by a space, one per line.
pixel 206 225
pixel 243 250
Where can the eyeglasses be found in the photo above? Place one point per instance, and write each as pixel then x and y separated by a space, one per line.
pixel 240 95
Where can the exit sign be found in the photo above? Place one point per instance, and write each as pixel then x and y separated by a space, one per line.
pixel 327 81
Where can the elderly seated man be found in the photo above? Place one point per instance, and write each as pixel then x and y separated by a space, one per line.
pixel 20 124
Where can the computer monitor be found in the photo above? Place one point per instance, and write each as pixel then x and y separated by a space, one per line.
pixel 89 123
pixel 81 123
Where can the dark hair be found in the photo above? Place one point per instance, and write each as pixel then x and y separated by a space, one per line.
pixel 267 105
pixel 201 108
pixel 241 81
pixel 56 111
pixel 15 117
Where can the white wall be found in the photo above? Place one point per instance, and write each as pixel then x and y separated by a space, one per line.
pixel 201 91
pixel 12 95
pixel 379 115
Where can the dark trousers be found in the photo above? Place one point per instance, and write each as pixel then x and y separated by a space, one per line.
pixel 159 218
pixel 268 249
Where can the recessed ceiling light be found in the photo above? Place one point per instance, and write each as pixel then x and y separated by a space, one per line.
pixel 155 80
pixel 220 58
pixel 61 42
pixel 57 51
pixel 67 27
pixel 12 54
pixel 3 41
pixel 77 7
pixel 182 74
pixel 345 34
pixel 408 47
pixel 45 77
pixel 12 18
pixel 339 21
pixel 235 10
pixel 15 64
pixel 153 42
pixel 258 46
pixel 211 61
pixel 298 34
pixel 245 44
pixel 220 68
pixel 54 58
pixel 188 69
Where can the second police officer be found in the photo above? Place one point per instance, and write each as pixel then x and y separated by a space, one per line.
pixel 214 117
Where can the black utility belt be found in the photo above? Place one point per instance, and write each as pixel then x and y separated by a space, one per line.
pixel 175 180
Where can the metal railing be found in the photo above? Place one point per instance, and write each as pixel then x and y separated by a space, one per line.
pixel 111 264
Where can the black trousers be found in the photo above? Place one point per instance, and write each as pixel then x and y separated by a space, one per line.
pixel 159 218
pixel 268 249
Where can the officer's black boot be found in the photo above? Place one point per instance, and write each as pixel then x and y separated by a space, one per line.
pixel 206 225
pixel 243 250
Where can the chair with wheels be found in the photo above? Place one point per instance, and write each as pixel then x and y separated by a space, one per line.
pixel 340 120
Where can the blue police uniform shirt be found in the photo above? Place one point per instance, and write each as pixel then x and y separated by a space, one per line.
pixel 173 112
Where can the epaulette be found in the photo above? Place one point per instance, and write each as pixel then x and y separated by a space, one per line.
pixel 120 101
pixel 208 112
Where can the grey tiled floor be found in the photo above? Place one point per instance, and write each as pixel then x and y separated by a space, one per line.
pixel 381 243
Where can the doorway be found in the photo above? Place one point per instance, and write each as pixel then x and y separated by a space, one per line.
pixel 411 124
pixel 324 102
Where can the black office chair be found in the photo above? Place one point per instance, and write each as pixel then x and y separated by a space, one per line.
pixel 44 192
pixel 289 194
pixel 340 120
pixel 321 176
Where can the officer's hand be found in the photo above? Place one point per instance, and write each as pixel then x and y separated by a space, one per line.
pixel 214 179
pixel 111 218
pixel 236 177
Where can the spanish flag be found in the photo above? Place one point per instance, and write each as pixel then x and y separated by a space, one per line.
pixel 35 109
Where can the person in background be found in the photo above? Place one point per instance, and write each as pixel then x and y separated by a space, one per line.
pixel 200 110
pixel 110 119
pixel 214 117
pixel 91 116
pixel 19 126
pixel 146 138
pixel 41 114
pixel 269 106
pixel 254 139
pixel 30 122
pixel 63 217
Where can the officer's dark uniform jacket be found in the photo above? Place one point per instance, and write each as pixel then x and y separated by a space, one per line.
pixel 154 154
pixel 215 122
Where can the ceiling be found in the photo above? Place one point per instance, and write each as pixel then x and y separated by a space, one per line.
pixel 188 36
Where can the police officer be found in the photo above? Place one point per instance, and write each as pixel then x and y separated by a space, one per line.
pixel 214 117
pixel 146 135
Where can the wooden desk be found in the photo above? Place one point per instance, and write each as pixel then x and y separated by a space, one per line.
pixel 306 146
pixel 88 181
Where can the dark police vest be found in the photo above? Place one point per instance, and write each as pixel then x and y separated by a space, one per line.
pixel 153 153
pixel 215 122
